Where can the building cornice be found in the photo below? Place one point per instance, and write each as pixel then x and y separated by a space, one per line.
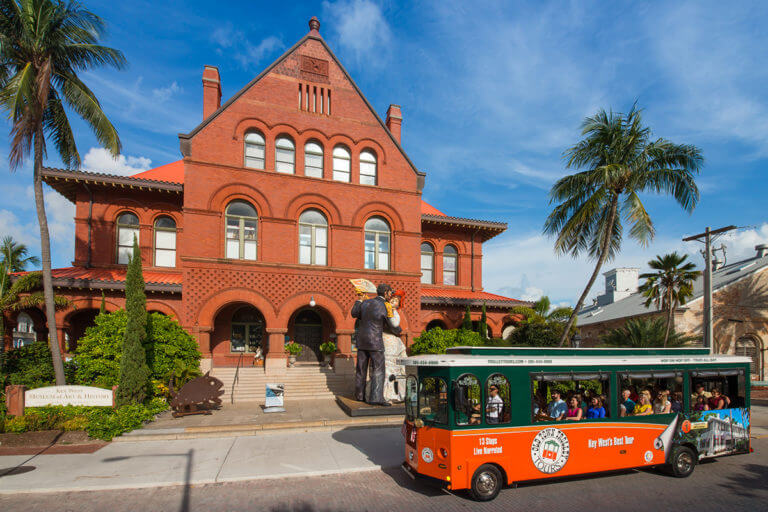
pixel 66 181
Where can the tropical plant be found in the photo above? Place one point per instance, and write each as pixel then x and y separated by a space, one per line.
pixel 328 348
pixel 541 325
pixel 466 323
pixel 437 340
pixel 13 258
pixel 294 348
pixel 645 332
pixel 24 293
pixel 44 45
pixel 670 286
pixel 134 371
pixel 620 162
pixel 483 326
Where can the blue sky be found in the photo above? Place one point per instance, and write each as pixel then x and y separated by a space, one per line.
pixel 492 94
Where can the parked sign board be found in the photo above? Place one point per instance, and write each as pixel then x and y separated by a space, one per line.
pixel 68 395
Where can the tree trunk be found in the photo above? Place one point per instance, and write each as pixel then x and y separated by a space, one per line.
pixel 670 312
pixel 600 261
pixel 45 249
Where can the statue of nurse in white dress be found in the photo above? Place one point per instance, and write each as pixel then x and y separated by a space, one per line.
pixel 394 348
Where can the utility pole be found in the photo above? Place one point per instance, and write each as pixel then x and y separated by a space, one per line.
pixel 708 235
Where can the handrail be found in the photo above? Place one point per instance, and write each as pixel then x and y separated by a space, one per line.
pixel 237 377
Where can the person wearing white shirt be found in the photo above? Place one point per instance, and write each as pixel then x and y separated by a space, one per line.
pixel 494 405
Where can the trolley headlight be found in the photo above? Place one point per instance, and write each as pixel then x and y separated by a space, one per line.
pixel 444 453
pixel 418 423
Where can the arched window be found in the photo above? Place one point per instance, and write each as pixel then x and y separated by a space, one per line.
pixel 313 159
pixel 127 229
pixel 247 330
pixel 497 406
pixel 377 244
pixel 254 150
pixel 468 400
pixel 748 347
pixel 341 164
pixel 367 167
pixel 285 155
pixel 450 260
pixel 242 221
pixel 165 242
pixel 427 263
pixel 313 238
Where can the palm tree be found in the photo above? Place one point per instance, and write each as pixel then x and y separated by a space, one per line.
pixel 670 286
pixel 539 312
pixel 645 333
pixel 621 162
pixel 13 258
pixel 541 325
pixel 24 293
pixel 44 44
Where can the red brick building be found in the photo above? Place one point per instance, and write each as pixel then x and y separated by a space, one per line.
pixel 284 193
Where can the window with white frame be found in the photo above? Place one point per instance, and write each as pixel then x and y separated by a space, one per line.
pixel 242 223
pixel 450 264
pixel 341 164
pixel 367 168
pixel 127 229
pixel 427 263
pixel 313 238
pixel 377 244
pixel 313 159
pixel 285 155
pixel 254 150
pixel 165 242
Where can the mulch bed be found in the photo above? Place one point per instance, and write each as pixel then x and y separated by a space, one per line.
pixel 48 442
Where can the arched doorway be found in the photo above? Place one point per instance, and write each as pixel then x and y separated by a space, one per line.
pixel 79 322
pixel 247 330
pixel 24 334
pixel 435 323
pixel 750 347
pixel 308 332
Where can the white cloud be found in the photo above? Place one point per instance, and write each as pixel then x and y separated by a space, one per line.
pixel 163 94
pixel 741 244
pixel 360 26
pixel 239 46
pixel 100 160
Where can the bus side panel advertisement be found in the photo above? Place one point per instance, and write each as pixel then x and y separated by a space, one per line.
pixel 718 432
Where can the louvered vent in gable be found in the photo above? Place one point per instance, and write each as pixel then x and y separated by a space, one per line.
pixel 314 94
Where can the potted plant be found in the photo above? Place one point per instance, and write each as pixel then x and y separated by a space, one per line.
pixel 294 350
pixel 327 349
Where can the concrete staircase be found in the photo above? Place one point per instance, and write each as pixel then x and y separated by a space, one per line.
pixel 302 382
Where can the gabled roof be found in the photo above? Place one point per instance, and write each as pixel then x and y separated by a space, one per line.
pixel 66 181
pixel 168 173
pixel 428 209
pixel 111 278
pixel 634 305
pixel 312 34
pixel 459 297
pixel 486 228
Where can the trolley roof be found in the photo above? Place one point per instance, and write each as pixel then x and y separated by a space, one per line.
pixel 534 356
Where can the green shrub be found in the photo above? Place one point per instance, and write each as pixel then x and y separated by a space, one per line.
pixel 437 340
pixel 16 425
pixel 76 423
pixel 170 350
pixel 28 366
pixel 108 423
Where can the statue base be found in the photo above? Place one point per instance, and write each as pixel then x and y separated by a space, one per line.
pixel 355 409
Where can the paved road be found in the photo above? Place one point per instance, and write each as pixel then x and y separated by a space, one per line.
pixel 729 483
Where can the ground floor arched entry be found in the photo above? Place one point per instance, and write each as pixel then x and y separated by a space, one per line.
pixel 435 323
pixel 77 323
pixel 239 331
pixel 310 327
pixel 750 346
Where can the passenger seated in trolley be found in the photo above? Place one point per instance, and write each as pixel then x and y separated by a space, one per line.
pixel 627 406
pixel 557 408
pixel 574 412
pixel 643 406
pixel 494 406
pixel 717 401
pixel 596 409
pixel 701 404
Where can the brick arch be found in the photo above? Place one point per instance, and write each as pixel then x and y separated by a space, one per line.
pixel 231 191
pixel 210 309
pixel 436 315
pixel 372 145
pixel 342 319
pixel 91 303
pixel 248 124
pixel 126 204
pixel 176 216
pixel 162 307
pixel 341 139
pixel 381 209
pixel 311 200
pixel 285 129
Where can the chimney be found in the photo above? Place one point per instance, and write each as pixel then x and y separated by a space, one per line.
pixel 762 250
pixel 395 121
pixel 211 90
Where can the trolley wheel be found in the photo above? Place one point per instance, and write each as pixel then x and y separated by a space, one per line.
pixel 682 462
pixel 486 483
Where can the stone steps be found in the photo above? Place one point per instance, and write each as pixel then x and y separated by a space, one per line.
pixel 301 382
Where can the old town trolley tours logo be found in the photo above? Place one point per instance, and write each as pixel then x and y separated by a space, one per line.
pixel 550 450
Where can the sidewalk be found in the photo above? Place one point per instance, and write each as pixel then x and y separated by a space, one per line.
pixel 205 461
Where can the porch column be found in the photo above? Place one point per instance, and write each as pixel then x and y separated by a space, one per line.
pixel 204 342
pixel 344 361
pixel 276 359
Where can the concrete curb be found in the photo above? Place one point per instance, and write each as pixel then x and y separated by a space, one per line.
pixel 170 434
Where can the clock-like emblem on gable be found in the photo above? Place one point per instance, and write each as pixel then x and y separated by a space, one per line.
pixel 313 67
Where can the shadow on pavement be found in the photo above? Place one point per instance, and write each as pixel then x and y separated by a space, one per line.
pixel 744 483
pixel 16 470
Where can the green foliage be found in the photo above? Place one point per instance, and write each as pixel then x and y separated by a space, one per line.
pixel 466 324
pixel 103 306
pixel 483 327
pixel 134 372
pixel 108 423
pixel 293 348
pixel 29 366
pixel 643 333
pixel 328 348
pixel 171 351
pixel 437 340
pixel 541 326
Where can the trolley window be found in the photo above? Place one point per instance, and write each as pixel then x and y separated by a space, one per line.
pixel 433 400
pixel 411 398
pixel 570 396
pixel 646 393
pixel 467 400
pixel 717 389
pixel 497 405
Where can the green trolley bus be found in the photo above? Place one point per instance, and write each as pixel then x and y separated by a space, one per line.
pixel 479 418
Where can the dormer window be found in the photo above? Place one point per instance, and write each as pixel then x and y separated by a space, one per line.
pixel 341 164
pixel 285 155
pixel 367 168
pixel 313 159
pixel 254 150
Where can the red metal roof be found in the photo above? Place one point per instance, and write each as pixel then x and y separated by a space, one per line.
pixel 448 293
pixel 428 209
pixel 169 173
pixel 110 275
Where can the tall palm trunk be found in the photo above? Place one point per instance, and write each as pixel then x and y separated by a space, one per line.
pixel 600 262
pixel 670 312
pixel 45 249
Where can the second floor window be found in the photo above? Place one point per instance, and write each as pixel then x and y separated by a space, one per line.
pixel 427 263
pixel 450 263
pixel 285 155
pixel 127 229
pixel 367 168
pixel 254 150
pixel 377 244
pixel 313 238
pixel 313 160
pixel 165 242
pixel 242 222
pixel 341 164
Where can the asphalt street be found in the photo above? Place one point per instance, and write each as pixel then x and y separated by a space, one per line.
pixel 728 483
